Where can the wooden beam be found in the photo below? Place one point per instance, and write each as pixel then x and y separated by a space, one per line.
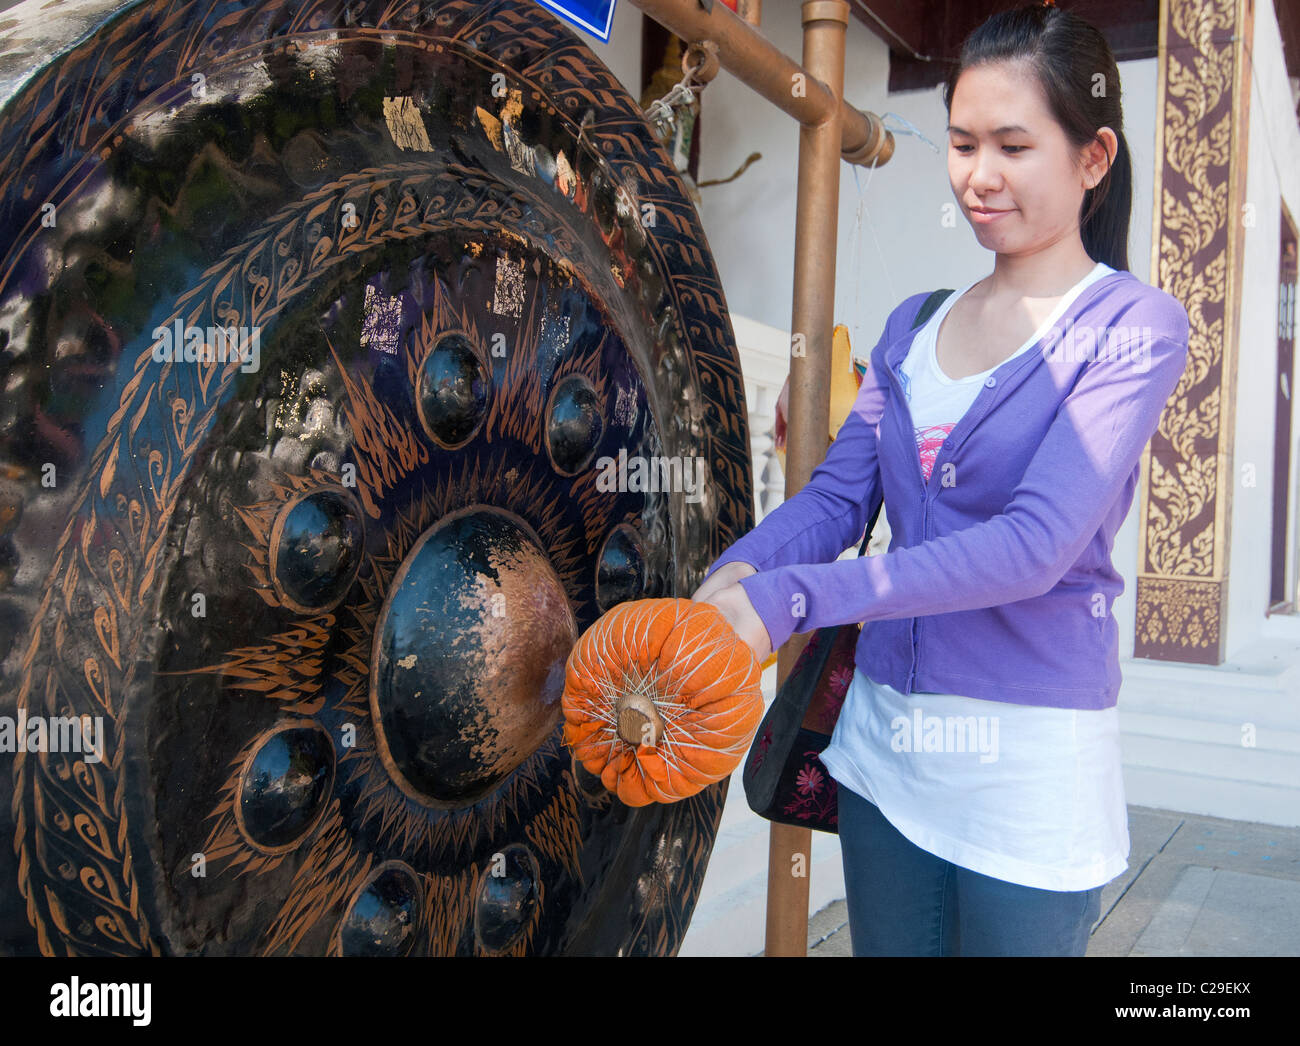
pixel 925 38
pixel 900 23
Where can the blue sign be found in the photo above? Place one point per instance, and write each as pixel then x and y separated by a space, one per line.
pixel 595 16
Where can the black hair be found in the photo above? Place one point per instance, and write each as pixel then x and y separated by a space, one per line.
pixel 1068 55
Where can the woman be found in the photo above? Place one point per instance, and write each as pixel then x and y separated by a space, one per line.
pixel 981 805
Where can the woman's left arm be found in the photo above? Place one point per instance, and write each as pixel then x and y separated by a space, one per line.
pixel 1071 483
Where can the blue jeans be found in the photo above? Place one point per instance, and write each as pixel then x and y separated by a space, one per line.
pixel 904 901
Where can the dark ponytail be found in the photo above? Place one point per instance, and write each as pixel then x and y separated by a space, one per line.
pixel 1067 55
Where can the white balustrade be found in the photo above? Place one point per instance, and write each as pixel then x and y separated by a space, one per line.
pixel 765 362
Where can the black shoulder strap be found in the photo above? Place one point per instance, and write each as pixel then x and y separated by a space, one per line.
pixel 927 310
pixel 929 306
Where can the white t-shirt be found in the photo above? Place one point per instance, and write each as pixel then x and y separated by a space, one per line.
pixel 1024 793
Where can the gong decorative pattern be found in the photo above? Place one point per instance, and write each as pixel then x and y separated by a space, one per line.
pixel 318 577
pixel 1186 480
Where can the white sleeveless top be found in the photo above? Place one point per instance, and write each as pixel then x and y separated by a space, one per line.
pixel 1028 794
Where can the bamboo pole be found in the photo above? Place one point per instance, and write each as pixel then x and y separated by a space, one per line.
pixel 830 131
pixel 825 24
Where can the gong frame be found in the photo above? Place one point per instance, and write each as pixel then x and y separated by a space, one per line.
pixel 830 130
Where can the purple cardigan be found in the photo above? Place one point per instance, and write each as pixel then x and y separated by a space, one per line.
pixel 998 582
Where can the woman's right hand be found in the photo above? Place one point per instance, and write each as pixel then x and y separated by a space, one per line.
pixel 727 574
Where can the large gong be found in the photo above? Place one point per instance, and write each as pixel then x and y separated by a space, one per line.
pixel 346 349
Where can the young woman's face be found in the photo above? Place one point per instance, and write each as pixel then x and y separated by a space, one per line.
pixel 1008 157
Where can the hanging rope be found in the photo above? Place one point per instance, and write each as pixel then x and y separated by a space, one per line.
pixel 663 111
pixel 907 128
pixel 700 65
pixel 856 253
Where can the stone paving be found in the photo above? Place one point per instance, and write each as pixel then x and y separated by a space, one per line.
pixel 1195 886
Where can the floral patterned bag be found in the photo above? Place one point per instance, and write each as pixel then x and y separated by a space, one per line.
pixel 784 778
